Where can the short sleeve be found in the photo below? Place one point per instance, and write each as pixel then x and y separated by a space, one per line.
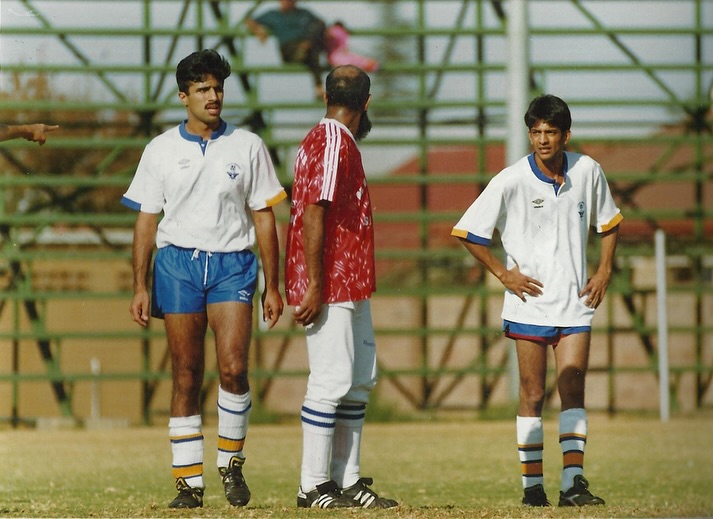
pixel 265 189
pixel 605 214
pixel 480 220
pixel 145 193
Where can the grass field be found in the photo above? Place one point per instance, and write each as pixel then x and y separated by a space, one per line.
pixel 643 468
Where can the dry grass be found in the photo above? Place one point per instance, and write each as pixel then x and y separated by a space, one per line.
pixel 643 468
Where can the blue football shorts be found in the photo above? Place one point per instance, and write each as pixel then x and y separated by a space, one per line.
pixel 186 280
pixel 540 334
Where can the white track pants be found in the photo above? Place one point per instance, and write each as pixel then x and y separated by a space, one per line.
pixel 342 354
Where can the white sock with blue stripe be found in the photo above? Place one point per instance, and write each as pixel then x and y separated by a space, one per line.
pixel 233 415
pixel 317 433
pixel 346 446
pixel 187 449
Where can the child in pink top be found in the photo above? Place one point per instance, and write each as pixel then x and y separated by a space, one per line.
pixel 336 44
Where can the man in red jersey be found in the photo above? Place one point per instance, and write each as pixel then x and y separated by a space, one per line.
pixel 329 279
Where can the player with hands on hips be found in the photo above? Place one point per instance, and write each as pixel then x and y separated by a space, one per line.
pixel 543 207
pixel 216 186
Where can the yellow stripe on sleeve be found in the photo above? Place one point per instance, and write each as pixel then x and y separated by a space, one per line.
pixel 613 223
pixel 275 199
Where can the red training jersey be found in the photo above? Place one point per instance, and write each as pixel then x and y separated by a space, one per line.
pixel 328 167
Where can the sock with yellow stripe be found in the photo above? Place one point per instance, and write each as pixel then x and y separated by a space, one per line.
pixel 187 449
pixel 233 414
pixel 573 438
pixel 530 445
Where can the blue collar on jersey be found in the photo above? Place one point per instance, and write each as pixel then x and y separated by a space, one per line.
pixel 539 174
pixel 197 138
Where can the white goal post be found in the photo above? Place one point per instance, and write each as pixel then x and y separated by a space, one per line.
pixel 662 322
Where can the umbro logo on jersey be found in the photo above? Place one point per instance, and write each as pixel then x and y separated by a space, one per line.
pixel 537 203
pixel 233 170
pixel 184 163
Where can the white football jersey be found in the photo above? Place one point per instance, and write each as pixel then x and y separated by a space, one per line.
pixel 544 230
pixel 206 189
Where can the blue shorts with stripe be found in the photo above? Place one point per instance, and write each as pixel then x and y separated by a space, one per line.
pixel 540 334
pixel 186 280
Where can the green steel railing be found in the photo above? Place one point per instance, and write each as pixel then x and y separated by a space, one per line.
pixel 416 110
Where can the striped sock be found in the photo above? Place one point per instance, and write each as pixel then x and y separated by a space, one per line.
pixel 317 433
pixel 573 438
pixel 187 448
pixel 530 444
pixel 233 414
pixel 346 446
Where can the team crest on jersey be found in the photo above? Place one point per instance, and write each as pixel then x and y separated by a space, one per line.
pixel 580 210
pixel 537 203
pixel 233 170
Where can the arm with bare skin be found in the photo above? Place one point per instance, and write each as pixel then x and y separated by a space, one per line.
pixel 512 279
pixel 311 305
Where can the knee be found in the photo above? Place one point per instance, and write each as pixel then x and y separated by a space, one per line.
pixel 235 382
pixel 533 396
pixel 187 379
pixel 570 384
pixel 234 377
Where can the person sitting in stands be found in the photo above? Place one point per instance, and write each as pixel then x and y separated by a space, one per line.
pixel 299 33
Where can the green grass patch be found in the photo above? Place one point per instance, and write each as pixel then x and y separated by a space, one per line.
pixel 440 468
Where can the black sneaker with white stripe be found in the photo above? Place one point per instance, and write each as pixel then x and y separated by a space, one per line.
pixel 366 497
pixel 326 495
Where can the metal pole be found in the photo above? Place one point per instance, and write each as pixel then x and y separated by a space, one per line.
pixel 517 96
pixel 518 73
pixel 95 365
pixel 660 241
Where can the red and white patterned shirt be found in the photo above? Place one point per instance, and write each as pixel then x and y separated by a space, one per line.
pixel 328 167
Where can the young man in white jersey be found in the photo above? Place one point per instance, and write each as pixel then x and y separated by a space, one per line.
pixel 216 186
pixel 329 278
pixel 543 207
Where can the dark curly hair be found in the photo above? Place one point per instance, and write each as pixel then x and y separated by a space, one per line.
pixel 195 67
pixel 550 109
